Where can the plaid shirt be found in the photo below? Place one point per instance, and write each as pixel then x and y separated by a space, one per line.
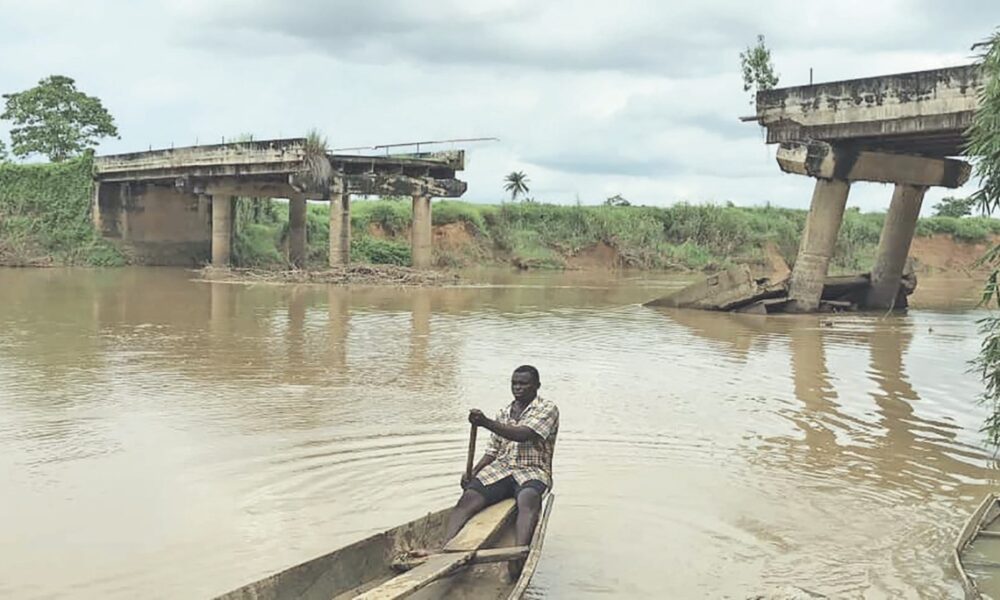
pixel 524 460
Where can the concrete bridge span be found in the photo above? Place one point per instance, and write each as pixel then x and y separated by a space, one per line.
pixel 176 206
pixel 900 129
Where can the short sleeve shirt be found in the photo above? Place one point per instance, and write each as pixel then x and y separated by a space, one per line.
pixel 524 460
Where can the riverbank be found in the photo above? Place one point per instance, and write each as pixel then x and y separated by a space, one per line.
pixel 45 220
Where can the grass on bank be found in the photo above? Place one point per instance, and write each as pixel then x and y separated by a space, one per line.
pixel 542 235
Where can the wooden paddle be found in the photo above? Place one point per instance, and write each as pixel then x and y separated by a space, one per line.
pixel 472 453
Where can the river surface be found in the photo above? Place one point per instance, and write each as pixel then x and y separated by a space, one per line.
pixel 167 438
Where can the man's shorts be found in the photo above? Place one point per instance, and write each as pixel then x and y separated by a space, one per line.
pixel 505 488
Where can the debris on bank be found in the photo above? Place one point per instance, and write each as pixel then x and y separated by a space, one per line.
pixel 739 290
pixel 387 275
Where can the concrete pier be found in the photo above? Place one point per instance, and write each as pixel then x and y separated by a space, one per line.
pixel 894 245
pixel 420 237
pixel 818 240
pixel 297 230
pixel 340 229
pixel 222 230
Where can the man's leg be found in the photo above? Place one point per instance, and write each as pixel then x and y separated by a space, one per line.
pixel 468 505
pixel 529 506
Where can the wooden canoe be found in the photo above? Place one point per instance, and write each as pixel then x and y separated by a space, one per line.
pixel 977 550
pixel 462 570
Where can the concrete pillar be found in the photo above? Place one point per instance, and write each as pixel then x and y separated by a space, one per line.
pixel 340 229
pixel 818 240
pixel 297 231
pixel 222 230
pixel 420 237
pixel 894 245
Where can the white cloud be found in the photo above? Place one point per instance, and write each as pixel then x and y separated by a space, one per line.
pixel 590 98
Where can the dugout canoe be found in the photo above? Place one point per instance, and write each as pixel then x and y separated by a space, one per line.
pixel 977 550
pixel 465 569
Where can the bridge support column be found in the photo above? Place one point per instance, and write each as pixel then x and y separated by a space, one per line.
pixel 340 229
pixel 421 235
pixel 297 231
pixel 818 240
pixel 894 245
pixel 222 229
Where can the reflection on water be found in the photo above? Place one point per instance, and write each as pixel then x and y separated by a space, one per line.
pixel 166 437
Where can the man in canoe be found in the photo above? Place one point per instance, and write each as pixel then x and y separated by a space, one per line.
pixel 518 459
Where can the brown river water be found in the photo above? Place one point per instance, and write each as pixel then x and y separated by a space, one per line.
pixel 162 437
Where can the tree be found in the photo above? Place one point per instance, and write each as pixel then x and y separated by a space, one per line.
pixel 3 151
pixel 954 207
pixel 617 200
pixel 984 149
pixel 55 119
pixel 757 68
pixel 516 184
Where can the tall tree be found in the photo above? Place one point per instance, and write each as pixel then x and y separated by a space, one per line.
pixel 3 151
pixel 954 207
pixel 984 150
pixel 757 68
pixel 56 120
pixel 517 184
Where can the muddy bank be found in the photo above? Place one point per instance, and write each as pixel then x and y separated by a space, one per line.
pixel 383 275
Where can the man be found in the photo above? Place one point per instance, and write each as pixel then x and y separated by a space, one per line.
pixel 518 459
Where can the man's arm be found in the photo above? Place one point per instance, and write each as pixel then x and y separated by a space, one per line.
pixel 514 433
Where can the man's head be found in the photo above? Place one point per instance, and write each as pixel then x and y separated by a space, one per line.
pixel 524 383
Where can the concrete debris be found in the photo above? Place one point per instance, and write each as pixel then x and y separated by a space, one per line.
pixel 738 290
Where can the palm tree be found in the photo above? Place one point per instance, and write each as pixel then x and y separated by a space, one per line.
pixel 516 184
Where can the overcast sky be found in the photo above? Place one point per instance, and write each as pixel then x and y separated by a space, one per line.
pixel 588 98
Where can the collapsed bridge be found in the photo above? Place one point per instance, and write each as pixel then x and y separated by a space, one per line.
pixel 900 129
pixel 177 206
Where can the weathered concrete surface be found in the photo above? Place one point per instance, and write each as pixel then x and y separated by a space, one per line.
pixel 816 248
pixel 727 290
pixel 924 112
pixel 297 230
pixel 819 159
pixel 340 230
pixel 894 245
pixel 222 230
pixel 421 233
pixel 155 225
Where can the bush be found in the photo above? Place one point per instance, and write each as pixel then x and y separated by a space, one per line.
pixel 367 249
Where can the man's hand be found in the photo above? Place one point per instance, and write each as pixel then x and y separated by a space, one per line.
pixel 465 479
pixel 477 418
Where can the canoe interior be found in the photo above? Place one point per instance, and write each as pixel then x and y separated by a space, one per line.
pixel 977 551
pixel 359 567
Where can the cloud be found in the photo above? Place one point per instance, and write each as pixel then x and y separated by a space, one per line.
pixel 590 98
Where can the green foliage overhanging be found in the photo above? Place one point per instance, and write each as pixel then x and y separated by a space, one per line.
pixel 757 69
pixel 45 215
pixel 984 150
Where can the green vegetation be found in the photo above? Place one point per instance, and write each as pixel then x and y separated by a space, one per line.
pixel 45 215
pixel 757 69
pixel 954 207
pixel 56 120
pixel 683 236
pixel 516 183
pixel 984 149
